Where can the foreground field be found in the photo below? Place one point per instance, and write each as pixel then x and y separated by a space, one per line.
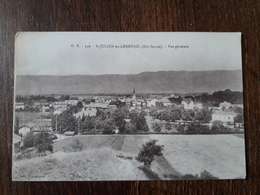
pixel 112 157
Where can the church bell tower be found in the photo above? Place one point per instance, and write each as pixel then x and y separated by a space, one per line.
pixel 134 95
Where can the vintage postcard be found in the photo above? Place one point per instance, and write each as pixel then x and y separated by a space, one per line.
pixel 97 106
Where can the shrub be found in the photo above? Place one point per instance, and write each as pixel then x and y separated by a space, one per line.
pixel 180 128
pixel 217 126
pixel 77 145
pixel 156 127
pixel 168 126
pixel 28 140
pixel 43 142
pixel 207 175
pixel 148 151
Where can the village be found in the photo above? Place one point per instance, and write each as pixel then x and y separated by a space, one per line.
pixel 131 114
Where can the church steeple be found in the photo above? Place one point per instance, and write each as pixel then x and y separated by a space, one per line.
pixel 134 95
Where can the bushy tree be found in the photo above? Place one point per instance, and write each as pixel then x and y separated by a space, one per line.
pixel 198 115
pixel 239 118
pixel 119 121
pixel 207 115
pixel 88 124
pixel 168 126
pixel 129 128
pixel 217 126
pixel 65 122
pixel 156 127
pixel 148 151
pixel 108 126
pixel 153 113
pixel 28 140
pixel 180 128
pixel 175 114
pixel 139 122
pixel 187 115
pixel 43 142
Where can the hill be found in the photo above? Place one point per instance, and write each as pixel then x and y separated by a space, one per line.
pixel 146 82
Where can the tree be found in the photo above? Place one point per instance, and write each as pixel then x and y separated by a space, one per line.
pixel 28 140
pixel 175 114
pixel 153 113
pixel 207 115
pixel 239 118
pixel 65 122
pixel 88 124
pixel 129 128
pixel 166 115
pixel 119 121
pixel 187 115
pixel 64 97
pixel 148 151
pixel 168 126
pixel 199 115
pixel 238 110
pixel 108 125
pixel 43 142
pixel 156 127
pixel 139 122
pixel 217 126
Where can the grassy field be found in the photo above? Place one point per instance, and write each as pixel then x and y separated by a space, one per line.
pixel 112 157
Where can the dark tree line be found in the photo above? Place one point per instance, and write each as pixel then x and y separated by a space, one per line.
pixel 178 113
pixel 233 97
pixel 105 121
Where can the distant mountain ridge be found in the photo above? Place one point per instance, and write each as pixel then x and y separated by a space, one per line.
pixel 145 82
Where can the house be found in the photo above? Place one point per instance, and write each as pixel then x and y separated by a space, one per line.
pixel 224 116
pixel 152 102
pixel 23 130
pixel 19 106
pixel 71 102
pixel 188 102
pixel 165 101
pixel 45 108
pixel 198 105
pixel 96 105
pixel 86 112
pixel 70 133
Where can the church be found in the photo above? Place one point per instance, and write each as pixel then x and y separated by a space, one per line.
pixel 133 102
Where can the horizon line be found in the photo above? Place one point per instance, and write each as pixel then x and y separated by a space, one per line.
pixel 130 74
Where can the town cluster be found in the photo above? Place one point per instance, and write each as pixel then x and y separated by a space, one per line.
pixel 157 114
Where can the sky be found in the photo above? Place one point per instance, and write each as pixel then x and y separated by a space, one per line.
pixel 82 53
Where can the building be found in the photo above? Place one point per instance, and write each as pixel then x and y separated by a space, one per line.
pixel 86 112
pixel 188 102
pixel 19 106
pixel 134 95
pixel 165 102
pixel 96 105
pixel 152 103
pixel 225 117
pixel 23 130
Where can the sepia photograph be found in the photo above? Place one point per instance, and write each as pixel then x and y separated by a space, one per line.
pixel 103 106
